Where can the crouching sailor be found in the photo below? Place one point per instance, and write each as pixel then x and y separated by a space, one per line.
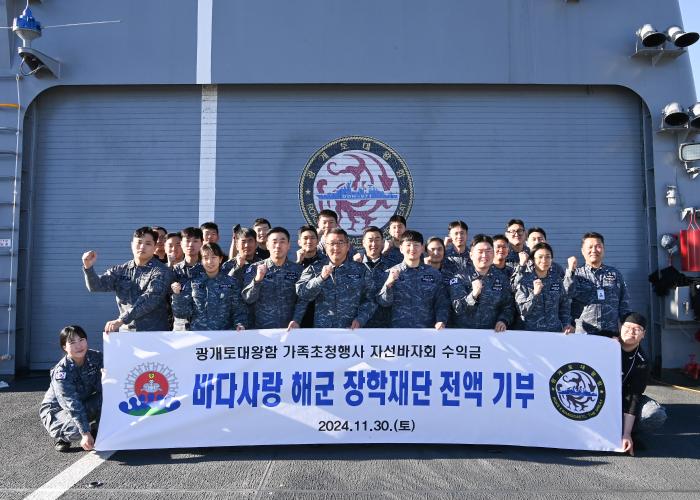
pixel 71 407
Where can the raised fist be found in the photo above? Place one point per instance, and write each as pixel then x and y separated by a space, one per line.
pixel 537 286
pixel 89 259
pixel 572 263
pixel 176 288
pixel 477 286
pixel 393 276
pixel 523 256
pixel 326 271
pixel 260 272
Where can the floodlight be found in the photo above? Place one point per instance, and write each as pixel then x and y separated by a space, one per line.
pixel 650 37
pixel 680 38
pixel 694 115
pixel 690 151
pixel 673 115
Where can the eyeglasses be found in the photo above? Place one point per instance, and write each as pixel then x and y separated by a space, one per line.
pixel 633 329
pixel 515 231
pixel 337 243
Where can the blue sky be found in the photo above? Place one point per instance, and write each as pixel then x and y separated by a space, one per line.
pixel 691 22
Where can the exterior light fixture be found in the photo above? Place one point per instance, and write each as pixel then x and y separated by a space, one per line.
pixel 26 27
pixel 650 37
pixel 680 38
pixel 671 196
pixel 673 115
pixel 689 154
pixel 694 115
pixel 690 151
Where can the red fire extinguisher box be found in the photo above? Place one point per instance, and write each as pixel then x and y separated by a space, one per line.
pixel 690 246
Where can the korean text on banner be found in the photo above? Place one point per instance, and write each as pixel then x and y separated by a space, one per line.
pixel 195 389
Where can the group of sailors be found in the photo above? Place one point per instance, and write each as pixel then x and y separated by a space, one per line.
pixel 185 281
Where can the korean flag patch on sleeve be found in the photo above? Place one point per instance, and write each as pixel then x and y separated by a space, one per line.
pixel 59 375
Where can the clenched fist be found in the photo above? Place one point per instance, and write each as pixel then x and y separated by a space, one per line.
pixel 176 288
pixel 326 271
pixel 393 276
pixel 523 256
pixel 260 272
pixel 477 286
pixel 537 286
pixel 89 259
pixel 572 263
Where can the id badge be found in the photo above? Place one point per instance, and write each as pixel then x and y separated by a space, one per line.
pixel 601 294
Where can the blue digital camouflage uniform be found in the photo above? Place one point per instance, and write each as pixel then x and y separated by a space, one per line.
pixel 513 257
pixel 232 268
pixel 274 299
pixel 508 271
pixel 550 310
pixel 382 315
pixel 594 314
pixel 456 262
pixel 418 298
pixel 393 256
pixel 141 293
pixel 344 296
pixel 494 303
pixel 308 320
pixel 184 273
pixel 74 398
pixel 518 271
pixel 211 303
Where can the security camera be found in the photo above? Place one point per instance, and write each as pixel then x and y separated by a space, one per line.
pixel 37 62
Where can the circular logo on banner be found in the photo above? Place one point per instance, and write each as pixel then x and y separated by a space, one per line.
pixel 360 178
pixel 577 391
pixel 150 389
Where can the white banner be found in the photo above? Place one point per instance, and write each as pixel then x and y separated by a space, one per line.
pixel 267 387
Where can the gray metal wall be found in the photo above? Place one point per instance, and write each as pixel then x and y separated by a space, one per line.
pixel 109 159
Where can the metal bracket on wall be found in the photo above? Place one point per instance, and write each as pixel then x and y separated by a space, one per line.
pixel 656 54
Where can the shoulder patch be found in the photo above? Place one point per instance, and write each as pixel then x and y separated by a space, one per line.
pixel 59 375
pixel 454 281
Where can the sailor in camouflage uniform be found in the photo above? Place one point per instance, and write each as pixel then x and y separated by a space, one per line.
pixel 212 301
pixel 270 286
pixel 542 301
pixel 414 290
pixel 600 300
pixel 141 286
pixel 457 250
pixel 190 268
pixel 246 244
pixel 515 232
pixel 341 288
pixel 392 253
pixel 483 298
pixel 535 235
pixel 70 410
pixel 373 260
pixel 501 250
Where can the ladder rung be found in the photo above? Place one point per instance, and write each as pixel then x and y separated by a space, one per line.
pixel 7 178
pixel 9 129
pixel 7 152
